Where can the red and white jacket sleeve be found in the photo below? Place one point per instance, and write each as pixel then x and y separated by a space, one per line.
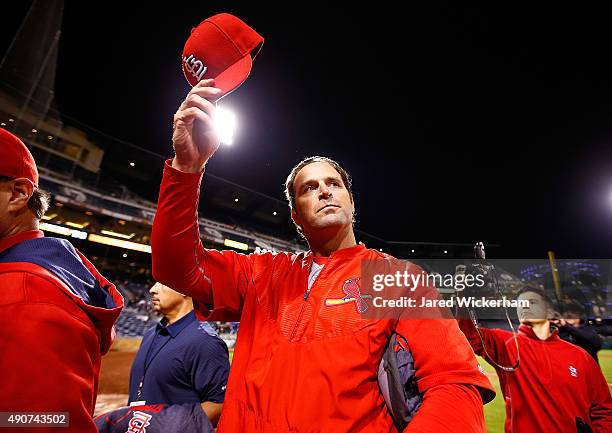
pixel 494 339
pixel 216 280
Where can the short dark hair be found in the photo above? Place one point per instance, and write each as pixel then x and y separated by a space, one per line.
pixel 38 203
pixel 289 183
pixel 537 290
pixel 573 309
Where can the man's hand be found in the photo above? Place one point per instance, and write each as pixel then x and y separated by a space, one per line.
pixel 195 138
pixel 212 411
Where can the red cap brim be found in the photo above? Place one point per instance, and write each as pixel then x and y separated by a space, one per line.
pixel 230 79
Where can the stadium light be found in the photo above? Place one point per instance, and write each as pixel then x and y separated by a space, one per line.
pixel 119 235
pixel 65 231
pixel 225 123
pixel 236 244
pixel 105 240
pixel 76 225
pixel 53 228
pixel 78 234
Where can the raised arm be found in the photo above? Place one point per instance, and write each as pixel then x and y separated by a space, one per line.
pixel 493 340
pixel 212 278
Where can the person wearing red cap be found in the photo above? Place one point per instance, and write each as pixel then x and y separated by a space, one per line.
pixel 58 311
pixel 305 359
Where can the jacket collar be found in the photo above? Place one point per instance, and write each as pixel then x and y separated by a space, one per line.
pixel 176 328
pixel 342 253
pixel 527 331
pixel 11 241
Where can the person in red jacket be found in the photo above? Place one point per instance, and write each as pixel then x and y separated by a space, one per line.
pixel 58 311
pixel 557 387
pixel 306 359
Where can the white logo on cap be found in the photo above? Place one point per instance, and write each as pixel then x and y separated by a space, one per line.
pixel 573 371
pixel 194 66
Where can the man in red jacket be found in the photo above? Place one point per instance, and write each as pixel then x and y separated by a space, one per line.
pixel 306 359
pixel 557 387
pixel 58 311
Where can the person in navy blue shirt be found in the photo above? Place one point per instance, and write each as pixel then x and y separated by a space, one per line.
pixel 181 360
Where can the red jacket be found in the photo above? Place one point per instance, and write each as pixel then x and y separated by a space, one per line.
pixel 300 365
pixel 51 342
pixel 555 382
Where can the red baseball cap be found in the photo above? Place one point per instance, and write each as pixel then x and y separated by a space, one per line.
pixel 16 160
pixel 220 47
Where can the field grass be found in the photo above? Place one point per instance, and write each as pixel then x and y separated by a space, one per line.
pixel 495 412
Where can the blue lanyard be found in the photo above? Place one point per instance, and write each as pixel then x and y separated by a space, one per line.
pixel 147 362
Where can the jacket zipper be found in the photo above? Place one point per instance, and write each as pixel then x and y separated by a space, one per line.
pixel 299 318
pixel 306 294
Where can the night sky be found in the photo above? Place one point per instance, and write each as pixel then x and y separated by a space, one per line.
pixel 457 123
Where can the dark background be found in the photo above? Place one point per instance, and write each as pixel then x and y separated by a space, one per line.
pixel 457 123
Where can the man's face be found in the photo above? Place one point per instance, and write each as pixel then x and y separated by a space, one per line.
pixel 165 299
pixel 322 201
pixel 537 312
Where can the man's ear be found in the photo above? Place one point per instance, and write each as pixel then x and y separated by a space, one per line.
pixel 20 194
